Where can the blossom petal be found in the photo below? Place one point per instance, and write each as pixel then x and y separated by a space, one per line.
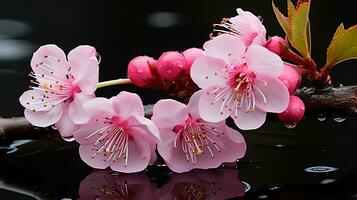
pixel 85 68
pixel 251 28
pixel 193 105
pixel 91 132
pixel 207 71
pixel 65 125
pixel 210 109
pixel 227 47
pixel 44 118
pixel 178 162
pixel 97 107
pixel 76 111
pixel 136 161
pixel 143 129
pixel 235 144
pixel 32 100
pixel 249 120
pixel 261 60
pixel 275 92
pixel 126 104
pixel 168 113
pixel 49 53
pixel 87 153
pixel 166 145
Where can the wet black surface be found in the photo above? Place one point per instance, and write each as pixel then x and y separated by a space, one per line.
pixel 280 163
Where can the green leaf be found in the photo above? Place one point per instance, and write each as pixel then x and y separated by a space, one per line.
pixel 283 21
pixel 343 46
pixel 299 27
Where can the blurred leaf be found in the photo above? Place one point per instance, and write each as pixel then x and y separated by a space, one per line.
pixel 283 21
pixel 343 46
pixel 296 25
pixel 299 27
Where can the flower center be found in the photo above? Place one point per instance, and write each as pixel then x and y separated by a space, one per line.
pixel 238 92
pixel 195 137
pixel 54 85
pixel 112 140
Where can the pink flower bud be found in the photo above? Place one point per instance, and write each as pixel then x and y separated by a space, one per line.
pixel 277 45
pixel 291 78
pixel 295 111
pixel 170 65
pixel 139 71
pixel 191 55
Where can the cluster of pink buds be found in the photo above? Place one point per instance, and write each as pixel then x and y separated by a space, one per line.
pixel 291 78
pixel 171 72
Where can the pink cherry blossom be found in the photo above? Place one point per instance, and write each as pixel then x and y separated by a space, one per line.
pixel 239 83
pixel 102 185
pixel 189 142
pixel 245 26
pixel 117 134
pixel 60 87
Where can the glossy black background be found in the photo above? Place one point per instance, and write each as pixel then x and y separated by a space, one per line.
pixel 121 30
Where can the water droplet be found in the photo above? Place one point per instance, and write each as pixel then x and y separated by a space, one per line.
pixel 327 181
pixel 321 117
pixel 274 187
pixel 320 169
pixel 339 119
pixel 291 126
pixel 246 185
pixel 54 127
pixel 260 18
pixel 99 58
pixel 66 199
pixel 68 139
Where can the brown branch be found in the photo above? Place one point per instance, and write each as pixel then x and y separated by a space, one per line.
pixel 335 101
pixel 340 101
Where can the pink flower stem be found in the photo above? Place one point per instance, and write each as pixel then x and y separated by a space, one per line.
pixel 120 81
pixel 308 63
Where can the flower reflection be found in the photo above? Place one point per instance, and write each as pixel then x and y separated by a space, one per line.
pixel 203 184
pixel 195 185
pixel 102 185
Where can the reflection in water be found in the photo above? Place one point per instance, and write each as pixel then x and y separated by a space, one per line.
pixel 164 19
pixel 327 181
pixel 12 28
pixel 203 184
pixel 247 186
pixel 196 185
pixel 11 49
pixel 102 185
pixel 320 169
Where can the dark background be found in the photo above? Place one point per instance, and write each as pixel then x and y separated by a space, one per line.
pixel 120 30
